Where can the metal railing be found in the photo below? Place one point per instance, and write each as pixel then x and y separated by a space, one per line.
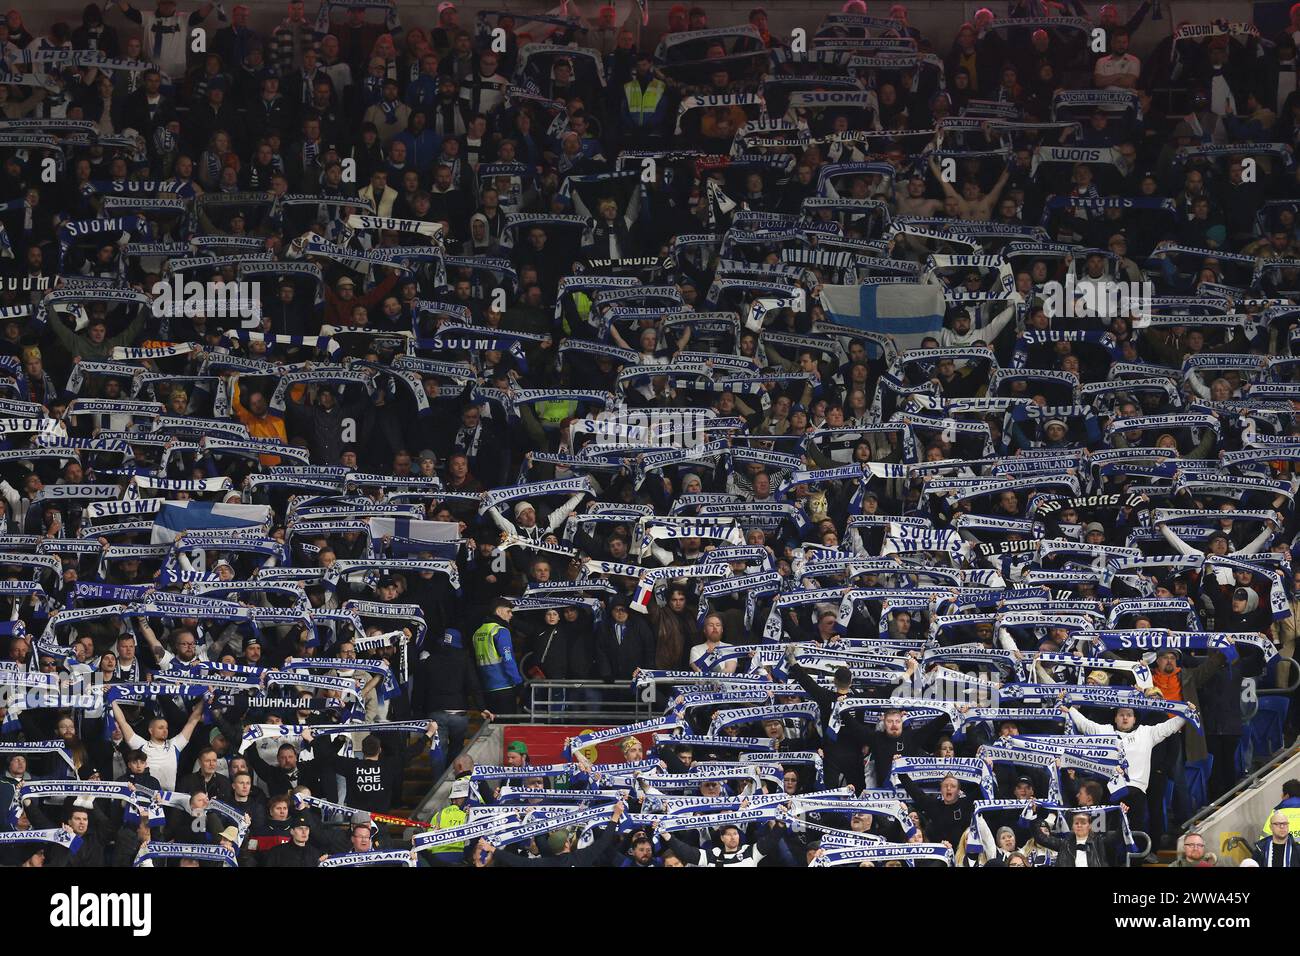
pixel 584 701
pixel 1249 782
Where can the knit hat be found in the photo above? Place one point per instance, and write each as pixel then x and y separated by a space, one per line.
pixel 522 507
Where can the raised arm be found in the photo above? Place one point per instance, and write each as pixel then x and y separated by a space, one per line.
pixel 196 715
pixel 1178 543
pixel 947 186
pixel 1167 729
pixel 561 514
pixel 992 198
pixel 133 740
pixel 1260 541
pixel 1086 725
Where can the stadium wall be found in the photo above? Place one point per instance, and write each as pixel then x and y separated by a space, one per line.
pixel 1245 815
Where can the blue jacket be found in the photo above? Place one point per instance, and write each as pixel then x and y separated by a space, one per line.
pixel 421 148
pixel 422 92
pixel 495 656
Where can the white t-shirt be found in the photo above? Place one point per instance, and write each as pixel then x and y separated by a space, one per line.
pixel 1112 66
pixel 699 650
pixel 161 758
pixel 166 41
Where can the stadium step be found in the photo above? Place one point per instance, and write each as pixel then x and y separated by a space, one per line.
pixel 1163 858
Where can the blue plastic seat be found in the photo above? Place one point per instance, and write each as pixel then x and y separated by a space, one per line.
pixel 1266 728
pixel 1197 775
pixel 1242 756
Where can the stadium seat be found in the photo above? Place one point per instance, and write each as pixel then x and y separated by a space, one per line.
pixel 1265 729
pixel 1197 775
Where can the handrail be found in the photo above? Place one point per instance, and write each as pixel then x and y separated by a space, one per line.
pixel 555 701
pixel 423 811
pixel 1142 854
pixel 1293 673
pixel 1249 782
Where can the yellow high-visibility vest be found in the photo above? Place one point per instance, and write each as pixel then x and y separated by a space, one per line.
pixel 641 104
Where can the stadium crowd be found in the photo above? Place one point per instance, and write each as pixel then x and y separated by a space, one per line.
pixel 912 419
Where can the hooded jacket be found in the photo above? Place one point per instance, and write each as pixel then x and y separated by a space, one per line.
pixel 445 679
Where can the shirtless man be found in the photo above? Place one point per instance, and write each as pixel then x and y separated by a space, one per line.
pixel 970 203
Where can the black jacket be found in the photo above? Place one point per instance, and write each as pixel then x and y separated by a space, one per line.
pixel 291 855
pixel 1261 851
pixel 307 774
pixel 445 680
pixel 619 658
pixel 1100 847
pixel 89 853
pixel 843 750
pixel 596 854
pixel 371 784
pixel 942 821
pixel 218 788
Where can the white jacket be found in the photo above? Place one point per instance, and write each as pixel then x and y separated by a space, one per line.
pixel 1138 743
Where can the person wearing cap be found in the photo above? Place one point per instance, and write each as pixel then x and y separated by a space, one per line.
pixel 526 525
pixel 448 27
pixel 298 850
pixel 1223 70
pixel 959 332
pixel 1094 532
pixel 230 839
pixel 516 754
pixel 447 818
pixel 729 848
pixel 329 424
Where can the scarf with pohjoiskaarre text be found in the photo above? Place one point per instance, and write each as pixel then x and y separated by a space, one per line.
pixel 58 835
pixel 369 858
